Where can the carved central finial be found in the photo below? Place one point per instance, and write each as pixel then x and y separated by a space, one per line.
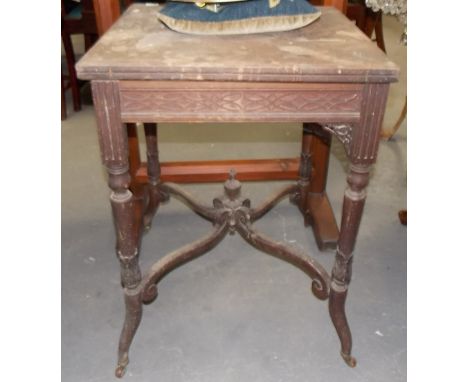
pixel 232 186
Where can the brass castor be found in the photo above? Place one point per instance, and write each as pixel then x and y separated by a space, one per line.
pixel 349 359
pixel 121 366
pixel 120 371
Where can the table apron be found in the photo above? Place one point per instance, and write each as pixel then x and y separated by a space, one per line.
pixel 197 101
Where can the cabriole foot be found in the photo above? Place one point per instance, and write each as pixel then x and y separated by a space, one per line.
pixel 349 359
pixel 121 366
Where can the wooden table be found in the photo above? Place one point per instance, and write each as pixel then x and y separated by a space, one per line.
pixel 328 76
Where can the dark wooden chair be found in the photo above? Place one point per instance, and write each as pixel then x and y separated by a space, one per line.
pixel 80 19
pixel 365 18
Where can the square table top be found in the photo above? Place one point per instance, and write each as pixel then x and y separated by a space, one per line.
pixel 331 49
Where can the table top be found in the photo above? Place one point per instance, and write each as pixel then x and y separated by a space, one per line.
pixel 331 49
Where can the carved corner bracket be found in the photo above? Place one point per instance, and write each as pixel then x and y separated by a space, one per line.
pixel 343 132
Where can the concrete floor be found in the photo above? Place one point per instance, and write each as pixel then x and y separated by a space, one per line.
pixel 234 314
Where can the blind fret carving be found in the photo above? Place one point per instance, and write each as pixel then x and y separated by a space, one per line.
pixel 241 101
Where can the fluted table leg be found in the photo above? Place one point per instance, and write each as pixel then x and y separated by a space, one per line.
pixel 113 142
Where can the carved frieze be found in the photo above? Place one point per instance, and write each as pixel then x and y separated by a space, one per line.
pixel 218 102
pixel 240 101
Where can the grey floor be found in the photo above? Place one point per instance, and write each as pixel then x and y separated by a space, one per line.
pixel 234 314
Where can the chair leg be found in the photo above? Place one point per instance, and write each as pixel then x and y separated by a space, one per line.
pixel 368 21
pixel 374 23
pixel 70 56
pixel 89 40
pixel 379 33
pixel 388 134
pixel 402 215
pixel 357 13
pixel 64 104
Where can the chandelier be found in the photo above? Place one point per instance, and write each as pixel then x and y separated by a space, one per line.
pixel 393 7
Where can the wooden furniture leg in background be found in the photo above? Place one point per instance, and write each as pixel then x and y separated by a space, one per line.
pixel 73 80
pixel 390 133
pixel 402 215
pixel 63 100
pixel 373 22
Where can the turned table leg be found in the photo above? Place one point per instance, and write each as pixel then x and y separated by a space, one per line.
pixel 305 172
pixel 138 190
pixel 114 147
pixel 361 142
pixel 154 173
pixel 316 142
pixel 353 205
pixel 128 234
